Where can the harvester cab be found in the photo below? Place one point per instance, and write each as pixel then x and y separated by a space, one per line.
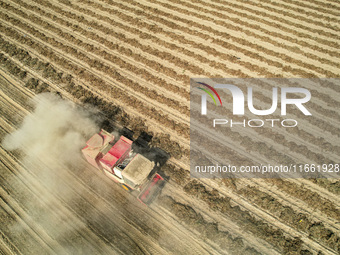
pixel 121 164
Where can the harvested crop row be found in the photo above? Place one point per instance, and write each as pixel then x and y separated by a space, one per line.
pixel 96 64
pixel 115 47
pixel 20 194
pixel 269 152
pixel 331 185
pixel 22 239
pixel 312 198
pixel 6 245
pixel 224 44
pixel 315 93
pixel 220 66
pixel 85 95
pixel 222 12
pixel 96 5
pixel 288 46
pixel 326 8
pixel 244 219
pixel 206 229
pixel 275 14
pixel 278 138
pixel 122 37
pixel 299 221
pixel 82 208
pixel 12 33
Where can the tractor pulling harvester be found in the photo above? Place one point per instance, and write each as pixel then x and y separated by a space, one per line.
pixel 121 164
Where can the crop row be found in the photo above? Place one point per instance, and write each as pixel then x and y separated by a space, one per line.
pixel 283 14
pixel 244 219
pixel 234 158
pixel 269 152
pixel 119 36
pixel 155 39
pixel 315 93
pixel 114 46
pixel 157 17
pixel 206 229
pixel 276 136
pixel 248 25
pixel 156 29
pixel 315 121
pixel 182 39
pixel 208 49
pixel 200 58
pixel 330 185
pixel 97 64
pixel 313 199
pixel 299 221
pixel 122 37
pixel 287 245
pixel 312 105
pixel 219 150
pixel 111 72
pixel 200 46
pixel 221 66
pixel 305 8
pixel 12 68
pixel 307 150
pixel 110 110
pixel 263 149
pixel 289 22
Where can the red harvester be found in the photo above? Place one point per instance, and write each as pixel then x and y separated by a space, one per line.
pixel 121 164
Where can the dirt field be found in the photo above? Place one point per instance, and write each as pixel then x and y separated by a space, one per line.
pixel 132 61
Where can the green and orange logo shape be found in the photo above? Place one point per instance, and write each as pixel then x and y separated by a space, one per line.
pixel 209 93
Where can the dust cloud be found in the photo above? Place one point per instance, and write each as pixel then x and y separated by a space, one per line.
pixel 56 129
pixel 67 201
pixel 49 143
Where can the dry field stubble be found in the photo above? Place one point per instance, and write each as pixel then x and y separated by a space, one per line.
pixel 132 60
